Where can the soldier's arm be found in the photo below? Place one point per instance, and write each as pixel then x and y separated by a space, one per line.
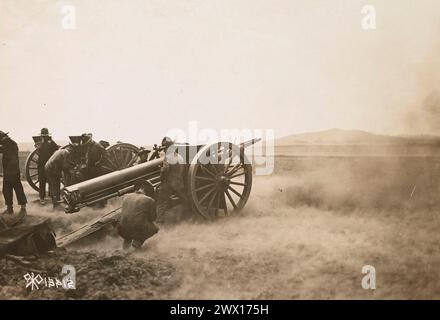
pixel 164 169
pixel 1 148
pixel 100 155
pixel 55 146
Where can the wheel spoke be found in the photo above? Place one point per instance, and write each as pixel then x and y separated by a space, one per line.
pixel 128 157
pixel 225 207
pixel 214 196
pixel 204 187
pixel 237 175
pixel 204 178
pixel 204 169
pixel 132 161
pixel 115 157
pixel 206 195
pixel 235 169
pixel 238 183
pixel 218 168
pixel 217 205
pixel 230 199
pixel 235 191
pixel 114 165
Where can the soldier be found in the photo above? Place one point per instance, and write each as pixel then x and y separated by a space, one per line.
pixel 137 218
pixel 62 161
pixel 171 175
pixel 11 174
pixel 142 156
pixel 46 149
pixel 94 153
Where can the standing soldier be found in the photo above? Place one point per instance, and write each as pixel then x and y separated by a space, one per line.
pixel 94 153
pixel 46 149
pixel 11 174
pixel 171 176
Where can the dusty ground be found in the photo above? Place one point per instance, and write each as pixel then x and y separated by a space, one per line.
pixel 305 233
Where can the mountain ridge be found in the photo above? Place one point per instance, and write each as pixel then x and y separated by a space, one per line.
pixel 337 136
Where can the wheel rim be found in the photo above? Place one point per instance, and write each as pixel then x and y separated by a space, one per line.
pixel 222 188
pixel 32 170
pixel 120 156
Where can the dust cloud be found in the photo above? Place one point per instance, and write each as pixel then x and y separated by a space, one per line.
pixel 305 233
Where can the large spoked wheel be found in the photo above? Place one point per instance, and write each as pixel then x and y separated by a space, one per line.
pixel 220 180
pixel 32 170
pixel 120 156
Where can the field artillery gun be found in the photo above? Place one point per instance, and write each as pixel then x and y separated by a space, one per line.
pixel 218 179
pixel 118 156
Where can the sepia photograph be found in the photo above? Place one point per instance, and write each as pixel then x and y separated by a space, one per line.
pixel 236 152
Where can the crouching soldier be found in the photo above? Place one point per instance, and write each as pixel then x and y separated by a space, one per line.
pixel 61 162
pixel 137 218
pixel 11 174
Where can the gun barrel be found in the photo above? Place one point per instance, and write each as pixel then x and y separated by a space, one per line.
pixel 114 183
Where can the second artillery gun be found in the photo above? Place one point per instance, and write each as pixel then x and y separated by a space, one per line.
pixel 117 156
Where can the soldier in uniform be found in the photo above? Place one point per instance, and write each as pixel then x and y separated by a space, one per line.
pixel 171 175
pixel 94 153
pixel 137 218
pixel 142 156
pixel 11 174
pixel 46 149
pixel 62 161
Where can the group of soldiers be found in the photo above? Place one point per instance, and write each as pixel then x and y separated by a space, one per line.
pixel 139 214
pixel 53 164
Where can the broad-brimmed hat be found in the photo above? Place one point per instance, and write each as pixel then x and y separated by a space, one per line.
pixel 86 138
pixel 167 141
pixel 143 151
pixel 45 132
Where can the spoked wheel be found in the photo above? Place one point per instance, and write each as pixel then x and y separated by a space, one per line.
pixel 220 180
pixel 32 170
pixel 120 156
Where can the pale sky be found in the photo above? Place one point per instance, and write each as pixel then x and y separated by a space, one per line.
pixel 133 69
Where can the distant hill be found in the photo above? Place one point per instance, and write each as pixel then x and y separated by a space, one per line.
pixel 351 137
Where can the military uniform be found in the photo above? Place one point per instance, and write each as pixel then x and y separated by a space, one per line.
pixel 45 150
pixel 137 219
pixel 58 163
pixel 94 152
pixel 172 174
pixel 11 173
